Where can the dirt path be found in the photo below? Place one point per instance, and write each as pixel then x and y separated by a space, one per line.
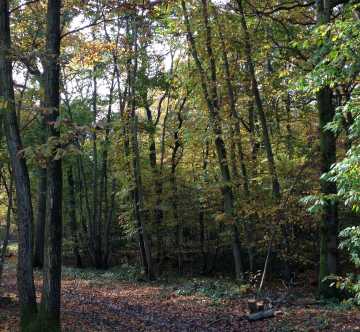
pixel 89 305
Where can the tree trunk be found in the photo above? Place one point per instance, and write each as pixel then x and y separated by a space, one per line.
pixel 72 218
pixel 138 194
pixel 210 96
pixel 50 302
pixel 174 162
pixel 260 109
pixel 139 203
pixel 103 194
pixel 95 221
pixel 40 220
pixel 329 218
pixel 158 212
pixel 109 221
pixel 202 227
pixel 25 279
pixel 7 229
pixel 237 138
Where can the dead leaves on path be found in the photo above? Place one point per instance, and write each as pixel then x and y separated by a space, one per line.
pixel 119 306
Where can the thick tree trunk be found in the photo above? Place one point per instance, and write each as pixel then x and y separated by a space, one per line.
pixel 42 189
pixel 329 218
pixel 40 219
pixel 50 302
pixel 25 280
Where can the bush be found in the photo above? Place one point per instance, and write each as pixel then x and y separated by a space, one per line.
pixel 350 242
pixel 213 289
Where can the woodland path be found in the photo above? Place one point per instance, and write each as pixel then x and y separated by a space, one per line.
pixel 91 305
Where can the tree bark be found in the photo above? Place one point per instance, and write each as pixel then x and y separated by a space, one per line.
pixel 25 279
pixel 40 219
pixel 175 158
pixel 329 218
pixel 7 228
pixel 110 217
pixel 138 194
pixel 95 227
pixel 72 218
pixel 41 191
pixel 50 302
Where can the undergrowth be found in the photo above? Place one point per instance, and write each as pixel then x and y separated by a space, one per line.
pixel 123 272
pixel 213 289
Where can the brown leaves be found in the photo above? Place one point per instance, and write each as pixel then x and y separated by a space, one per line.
pixel 90 305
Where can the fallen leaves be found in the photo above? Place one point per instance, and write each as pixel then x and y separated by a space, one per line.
pixel 125 306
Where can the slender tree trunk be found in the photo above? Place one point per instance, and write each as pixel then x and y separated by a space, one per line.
pixel 50 302
pixel 174 162
pixel 260 109
pixel 79 189
pixel 289 134
pixel 158 212
pixel 202 227
pixel 139 202
pixel 95 222
pixel 210 96
pixel 138 193
pixel 238 140
pixel 103 194
pixel 25 279
pixel 72 218
pixel 178 222
pixel 7 229
pixel 110 217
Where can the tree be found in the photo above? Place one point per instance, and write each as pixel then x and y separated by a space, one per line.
pixel 25 279
pixel 50 302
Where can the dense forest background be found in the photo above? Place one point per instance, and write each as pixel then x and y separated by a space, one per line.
pixel 216 138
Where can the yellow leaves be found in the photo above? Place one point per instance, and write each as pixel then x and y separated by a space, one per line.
pixel 90 53
pixel 284 73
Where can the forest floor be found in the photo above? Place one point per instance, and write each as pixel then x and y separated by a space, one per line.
pixel 106 301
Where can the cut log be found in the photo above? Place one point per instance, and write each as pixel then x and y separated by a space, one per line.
pixel 261 315
pixel 252 305
pixel 260 305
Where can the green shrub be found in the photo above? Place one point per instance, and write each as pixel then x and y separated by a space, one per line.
pixel 350 242
pixel 213 289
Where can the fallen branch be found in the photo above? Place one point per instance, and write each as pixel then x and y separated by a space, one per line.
pixel 261 315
